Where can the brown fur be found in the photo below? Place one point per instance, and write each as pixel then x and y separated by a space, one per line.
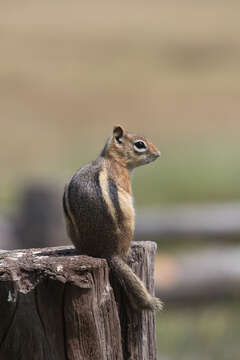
pixel 99 210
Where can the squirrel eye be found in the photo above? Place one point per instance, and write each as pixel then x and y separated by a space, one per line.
pixel 140 146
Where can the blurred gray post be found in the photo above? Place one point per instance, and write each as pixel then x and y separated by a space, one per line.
pixel 40 220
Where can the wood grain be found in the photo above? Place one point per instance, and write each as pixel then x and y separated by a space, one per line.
pixel 58 305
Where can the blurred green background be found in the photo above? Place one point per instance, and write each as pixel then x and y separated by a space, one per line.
pixel 169 70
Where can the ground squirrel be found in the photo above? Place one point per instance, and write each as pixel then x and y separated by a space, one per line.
pixel 99 212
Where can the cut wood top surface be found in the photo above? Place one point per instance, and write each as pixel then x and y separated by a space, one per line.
pixel 62 263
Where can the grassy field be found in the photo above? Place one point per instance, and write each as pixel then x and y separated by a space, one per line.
pixel 207 332
pixel 170 70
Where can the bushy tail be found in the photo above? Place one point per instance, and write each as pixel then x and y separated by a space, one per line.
pixel 138 295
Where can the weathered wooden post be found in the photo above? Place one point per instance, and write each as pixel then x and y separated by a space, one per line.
pixel 57 305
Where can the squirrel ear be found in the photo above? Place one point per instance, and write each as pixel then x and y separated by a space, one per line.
pixel 118 132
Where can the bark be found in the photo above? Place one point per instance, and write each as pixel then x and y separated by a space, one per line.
pixel 57 305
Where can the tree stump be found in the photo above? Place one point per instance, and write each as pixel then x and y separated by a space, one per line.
pixel 58 305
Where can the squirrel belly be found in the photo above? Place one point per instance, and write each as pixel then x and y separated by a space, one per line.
pixel 99 212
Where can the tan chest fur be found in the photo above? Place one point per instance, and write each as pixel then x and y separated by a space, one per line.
pixel 126 205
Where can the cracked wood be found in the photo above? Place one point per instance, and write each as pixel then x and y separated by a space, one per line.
pixel 57 305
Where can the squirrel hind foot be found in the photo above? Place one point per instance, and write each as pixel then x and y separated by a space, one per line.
pixel 149 303
pixel 157 304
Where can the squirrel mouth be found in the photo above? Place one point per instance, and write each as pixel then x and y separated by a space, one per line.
pixel 152 158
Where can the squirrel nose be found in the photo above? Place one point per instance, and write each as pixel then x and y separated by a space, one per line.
pixel 158 153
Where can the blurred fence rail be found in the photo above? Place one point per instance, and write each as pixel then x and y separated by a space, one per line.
pixel 203 275
pixel 40 213
pixel 188 276
pixel 189 221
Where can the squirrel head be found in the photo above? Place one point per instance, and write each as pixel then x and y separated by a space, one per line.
pixel 129 149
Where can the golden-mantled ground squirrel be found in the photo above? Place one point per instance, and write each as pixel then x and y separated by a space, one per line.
pixel 99 212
